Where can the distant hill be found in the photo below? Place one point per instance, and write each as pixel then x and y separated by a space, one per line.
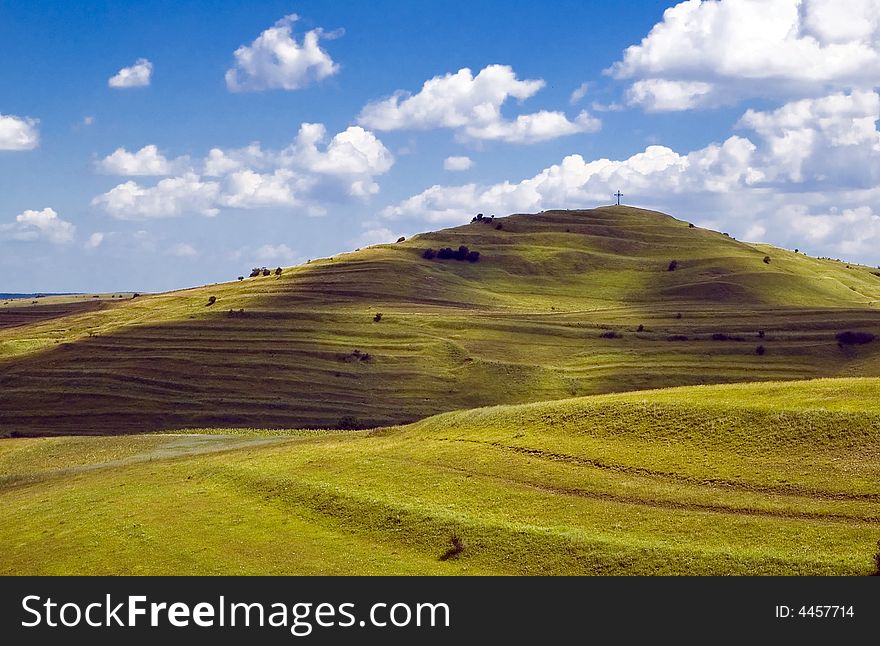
pixel 559 304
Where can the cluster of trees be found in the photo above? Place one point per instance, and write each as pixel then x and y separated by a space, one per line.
pixel 448 253
pixel 262 271
pixel 480 218
pixel 854 338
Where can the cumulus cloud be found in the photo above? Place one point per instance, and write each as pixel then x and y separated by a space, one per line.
pixel 579 93
pixel 39 225
pixel 146 161
pixel 457 163
pixel 138 75
pixel 274 253
pixel 275 60
pixel 171 197
pixel 374 235
pixel 95 240
pixel 182 250
pixel 307 174
pixel 18 133
pixel 710 53
pixel 471 105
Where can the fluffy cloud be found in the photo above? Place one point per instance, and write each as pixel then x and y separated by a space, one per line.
pixel 146 161
pixel 307 174
pixel 18 133
pixel 182 250
pixel 471 105
pixel 579 93
pixel 276 61
pixel 95 240
pixel 457 163
pixel 709 53
pixel 39 225
pixel 138 75
pixel 372 236
pixel 274 253
pixel 171 197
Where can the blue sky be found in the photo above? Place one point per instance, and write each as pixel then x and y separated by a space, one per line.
pixel 757 118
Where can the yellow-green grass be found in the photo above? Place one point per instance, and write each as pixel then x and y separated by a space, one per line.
pixel 523 324
pixel 771 478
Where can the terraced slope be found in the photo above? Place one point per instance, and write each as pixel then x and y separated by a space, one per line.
pixel 552 309
pixel 773 478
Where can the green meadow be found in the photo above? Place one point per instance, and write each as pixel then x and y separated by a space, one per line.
pixel 572 403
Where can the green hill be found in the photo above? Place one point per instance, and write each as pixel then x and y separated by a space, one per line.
pixel 773 478
pixel 560 304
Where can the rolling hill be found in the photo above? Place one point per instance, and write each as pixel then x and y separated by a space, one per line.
pixel 770 478
pixel 560 304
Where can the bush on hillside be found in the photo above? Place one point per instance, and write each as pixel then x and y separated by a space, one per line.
pixel 456 549
pixel 378 317
pixel 673 265
pixel 610 334
pixel 266 272
pixel 854 338
pixel 348 423
pixel 401 239
pixel 473 256
pixel 448 253
pixel 499 226
pixel 760 350
pixel 641 328
pixel 766 260
pixel 278 271
pixel 211 301
pixel 241 277
pixel 760 334
pixel 429 254
pixel 677 337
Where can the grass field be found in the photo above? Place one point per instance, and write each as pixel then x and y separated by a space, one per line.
pixel 552 310
pixel 775 478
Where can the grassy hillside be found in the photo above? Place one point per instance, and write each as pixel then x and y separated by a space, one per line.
pixel 552 309
pixel 775 478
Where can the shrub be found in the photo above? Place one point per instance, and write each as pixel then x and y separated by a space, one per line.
pixel 429 254
pixel 760 334
pixel 378 317
pixel 278 271
pixel 498 227
pixel 690 225
pixel 796 250
pixel 473 256
pixel 211 301
pixel 854 338
pixel 641 328
pixel 266 272
pixel 241 277
pixel 718 336
pixel 135 295
pixel 760 350
pixel 446 253
pixel 610 334
pixel 678 316
pixel 766 260
pixel 255 272
pixel 462 253
pixel 673 265
pixel 401 239
pixel 456 549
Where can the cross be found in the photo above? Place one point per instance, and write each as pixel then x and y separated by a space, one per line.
pixel 618 195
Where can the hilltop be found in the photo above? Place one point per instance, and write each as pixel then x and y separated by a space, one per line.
pixel 559 304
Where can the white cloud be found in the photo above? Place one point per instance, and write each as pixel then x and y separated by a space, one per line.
pixel 709 53
pixel 182 250
pixel 138 75
pixel 579 93
pixel 275 253
pixel 88 120
pixel 146 161
pixel 39 225
pixel 374 235
pixel 471 105
pixel 95 240
pixel 18 133
pixel 171 197
pixel 305 175
pixel 457 163
pixel 276 61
